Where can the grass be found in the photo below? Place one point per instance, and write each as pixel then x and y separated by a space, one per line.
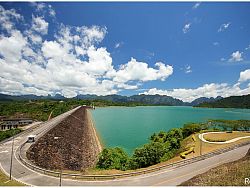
pixel 229 174
pixel 4 181
pixel 222 137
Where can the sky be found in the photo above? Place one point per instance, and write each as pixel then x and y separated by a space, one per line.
pixel 184 50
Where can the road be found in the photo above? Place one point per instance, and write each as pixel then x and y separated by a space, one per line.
pixel 201 136
pixel 164 177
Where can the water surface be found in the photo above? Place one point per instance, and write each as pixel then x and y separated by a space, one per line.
pixel 130 127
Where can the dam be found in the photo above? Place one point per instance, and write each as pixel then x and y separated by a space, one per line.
pixel 71 145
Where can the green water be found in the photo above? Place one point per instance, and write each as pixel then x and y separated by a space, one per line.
pixel 130 127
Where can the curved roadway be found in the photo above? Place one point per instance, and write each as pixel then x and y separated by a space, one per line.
pixel 170 176
pixel 201 136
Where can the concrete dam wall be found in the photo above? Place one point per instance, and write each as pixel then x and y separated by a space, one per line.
pixel 76 146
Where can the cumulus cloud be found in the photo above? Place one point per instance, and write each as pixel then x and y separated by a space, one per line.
pixel 135 70
pixel 207 90
pixel 244 75
pixel 7 17
pixel 186 28
pixel 39 25
pixel 224 26
pixel 71 63
pixel 236 56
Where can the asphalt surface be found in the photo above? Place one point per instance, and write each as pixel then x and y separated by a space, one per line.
pixel 170 176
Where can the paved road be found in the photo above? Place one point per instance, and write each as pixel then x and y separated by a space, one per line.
pixel 201 136
pixel 162 178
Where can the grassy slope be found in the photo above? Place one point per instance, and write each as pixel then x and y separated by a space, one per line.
pixel 4 181
pixel 229 174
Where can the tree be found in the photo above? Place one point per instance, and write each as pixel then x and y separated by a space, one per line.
pixel 191 128
pixel 148 155
pixel 113 158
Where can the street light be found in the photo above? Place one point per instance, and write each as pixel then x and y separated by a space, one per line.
pixel 11 157
pixel 60 178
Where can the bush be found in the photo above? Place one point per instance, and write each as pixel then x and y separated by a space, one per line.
pixel 113 158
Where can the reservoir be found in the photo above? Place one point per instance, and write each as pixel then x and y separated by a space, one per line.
pixel 130 127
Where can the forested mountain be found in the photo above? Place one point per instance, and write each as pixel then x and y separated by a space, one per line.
pixel 229 102
pixel 204 99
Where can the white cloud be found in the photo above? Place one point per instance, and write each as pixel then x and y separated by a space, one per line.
pixel 215 43
pixel 224 26
pixel 207 90
pixel 222 59
pixel 186 28
pixel 196 5
pixel 244 75
pixel 118 45
pixel 11 47
pixel 188 69
pixel 7 17
pixel 247 48
pixel 69 64
pixel 39 25
pixel 140 71
pixel 236 56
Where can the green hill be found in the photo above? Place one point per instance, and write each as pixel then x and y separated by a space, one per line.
pixel 229 102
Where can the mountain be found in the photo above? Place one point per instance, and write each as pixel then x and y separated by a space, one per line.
pixel 4 97
pixel 229 102
pixel 204 99
pixel 218 102
pixel 143 99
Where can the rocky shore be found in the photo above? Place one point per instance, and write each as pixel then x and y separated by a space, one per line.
pixel 71 145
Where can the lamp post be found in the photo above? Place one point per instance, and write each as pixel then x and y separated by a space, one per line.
pixel 11 156
pixel 200 147
pixel 60 177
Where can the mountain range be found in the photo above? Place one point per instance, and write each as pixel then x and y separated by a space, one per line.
pixel 145 99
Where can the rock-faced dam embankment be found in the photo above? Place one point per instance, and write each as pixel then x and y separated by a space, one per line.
pixel 76 147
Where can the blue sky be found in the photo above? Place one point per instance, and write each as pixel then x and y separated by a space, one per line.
pixel 185 50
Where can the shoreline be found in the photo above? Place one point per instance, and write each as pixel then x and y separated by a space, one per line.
pixel 95 133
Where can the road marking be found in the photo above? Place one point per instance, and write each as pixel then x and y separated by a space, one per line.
pixel 4 151
pixel 191 173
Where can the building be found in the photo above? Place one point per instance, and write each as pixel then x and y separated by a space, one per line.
pixel 14 123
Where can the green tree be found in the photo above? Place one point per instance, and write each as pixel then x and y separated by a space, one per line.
pixel 113 158
pixel 190 128
pixel 148 155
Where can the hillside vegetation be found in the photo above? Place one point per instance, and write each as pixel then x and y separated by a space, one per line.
pixel 41 109
pixel 229 102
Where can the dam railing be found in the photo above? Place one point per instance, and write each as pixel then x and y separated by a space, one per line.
pixel 129 174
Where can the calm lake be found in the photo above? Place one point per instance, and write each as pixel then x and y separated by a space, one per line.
pixel 130 127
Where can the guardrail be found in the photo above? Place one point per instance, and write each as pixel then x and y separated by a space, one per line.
pixel 129 174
